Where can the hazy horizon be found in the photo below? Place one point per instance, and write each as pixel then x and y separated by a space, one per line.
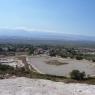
pixel 17 34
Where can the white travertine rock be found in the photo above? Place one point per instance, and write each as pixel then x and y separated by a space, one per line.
pixel 25 86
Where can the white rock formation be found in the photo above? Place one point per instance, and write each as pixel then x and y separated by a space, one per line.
pixel 25 86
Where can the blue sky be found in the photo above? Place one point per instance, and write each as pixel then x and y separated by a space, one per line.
pixel 66 16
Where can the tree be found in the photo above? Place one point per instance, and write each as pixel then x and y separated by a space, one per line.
pixel 77 75
pixel 1 49
pixel 31 51
pixel 52 53
pixel 93 60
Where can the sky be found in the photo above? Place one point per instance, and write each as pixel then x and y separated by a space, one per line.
pixel 66 16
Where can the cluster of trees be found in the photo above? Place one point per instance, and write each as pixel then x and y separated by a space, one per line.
pixel 66 53
pixel 70 52
pixel 14 47
pixel 6 69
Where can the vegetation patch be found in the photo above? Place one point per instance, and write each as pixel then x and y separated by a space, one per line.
pixel 55 62
pixel 77 75
pixel 8 71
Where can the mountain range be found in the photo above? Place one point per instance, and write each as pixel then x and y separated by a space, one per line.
pixel 21 33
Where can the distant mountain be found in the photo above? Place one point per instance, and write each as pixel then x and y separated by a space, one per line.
pixel 18 33
pixel 36 37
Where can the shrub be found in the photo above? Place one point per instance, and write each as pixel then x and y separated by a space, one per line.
pixel 77 75
pixel 71 56
pixel 93 60
pixel 6 69
pixel 52 53
pixel 63 55
pixel 79 57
